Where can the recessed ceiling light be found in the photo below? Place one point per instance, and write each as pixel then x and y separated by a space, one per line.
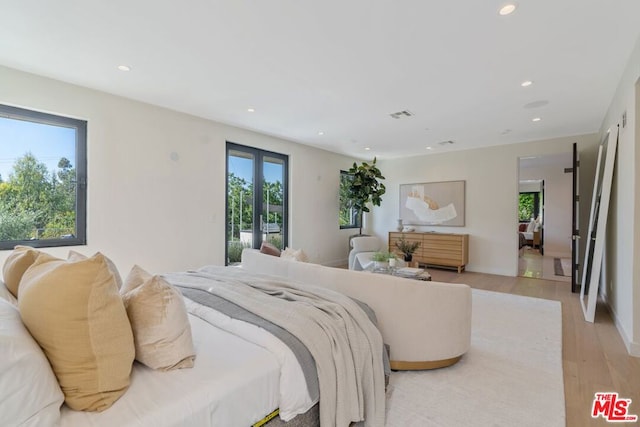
pixel 526 83
pixel 428 148
pixel 367 148
pixel 320 133
pixel 536 119
pixel 124 68
pixel 251 110
pixel 507 9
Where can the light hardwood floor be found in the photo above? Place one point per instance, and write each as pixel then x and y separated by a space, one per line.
pixel 594 356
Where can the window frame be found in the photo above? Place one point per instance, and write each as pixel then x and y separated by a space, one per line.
pixel 80 238
pixel 355 218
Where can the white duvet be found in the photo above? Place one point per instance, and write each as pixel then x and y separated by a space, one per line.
pixel 293 396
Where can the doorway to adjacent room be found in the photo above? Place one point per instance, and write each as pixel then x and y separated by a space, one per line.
pixel 544 217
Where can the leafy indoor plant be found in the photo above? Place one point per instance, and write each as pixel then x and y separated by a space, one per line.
pixel 365 187
pixel 407 247
pixel 381 259
pixel 382 256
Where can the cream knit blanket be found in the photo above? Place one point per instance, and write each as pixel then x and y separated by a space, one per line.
pixel 346 346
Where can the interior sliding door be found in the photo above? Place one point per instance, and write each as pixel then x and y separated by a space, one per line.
pixel 257 205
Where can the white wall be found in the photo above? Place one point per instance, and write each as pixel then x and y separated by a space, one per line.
pixel 491 176
pixel 534 186
pixel 557 200
pixel 169 215
pixel 622 290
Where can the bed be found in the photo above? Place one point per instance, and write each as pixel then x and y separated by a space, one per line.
pixel 243 374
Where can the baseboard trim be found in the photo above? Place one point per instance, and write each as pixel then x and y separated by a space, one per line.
pixel 633 348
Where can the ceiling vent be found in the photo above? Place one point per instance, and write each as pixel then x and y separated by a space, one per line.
pixel 448 142
pixel 401 114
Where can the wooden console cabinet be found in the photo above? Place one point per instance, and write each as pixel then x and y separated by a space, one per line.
pixel 436 249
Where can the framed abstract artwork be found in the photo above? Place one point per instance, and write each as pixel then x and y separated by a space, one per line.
pixel 433 203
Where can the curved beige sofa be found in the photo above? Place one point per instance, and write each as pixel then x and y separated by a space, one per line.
pixel 426 324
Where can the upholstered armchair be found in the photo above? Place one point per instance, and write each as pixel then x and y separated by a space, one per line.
pixel 363 249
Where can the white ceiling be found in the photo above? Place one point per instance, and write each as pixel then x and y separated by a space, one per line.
pixel 342 67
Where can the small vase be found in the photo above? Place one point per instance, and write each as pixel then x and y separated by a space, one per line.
pixel 400 226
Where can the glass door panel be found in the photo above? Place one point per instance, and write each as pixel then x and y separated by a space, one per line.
pixel 240 167
pixel 272 219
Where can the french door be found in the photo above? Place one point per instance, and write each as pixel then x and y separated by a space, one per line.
pixel 257 205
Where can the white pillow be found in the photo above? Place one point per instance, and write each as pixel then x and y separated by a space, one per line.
pixel 30 394
pixel 6 295
pixel 294 255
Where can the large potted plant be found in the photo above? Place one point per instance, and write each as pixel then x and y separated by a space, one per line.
pixel 365 187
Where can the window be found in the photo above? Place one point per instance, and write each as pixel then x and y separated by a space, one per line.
pixel 43 171
pixel 348 215
pixel 529 206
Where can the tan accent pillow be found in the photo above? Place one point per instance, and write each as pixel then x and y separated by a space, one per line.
pixel 16 264
pixel 269 249
pixel 77 256
pixel 74 311
pixel 158 316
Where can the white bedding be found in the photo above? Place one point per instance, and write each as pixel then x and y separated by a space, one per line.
pixel 528 235
pixel 233 383
pixel 293 394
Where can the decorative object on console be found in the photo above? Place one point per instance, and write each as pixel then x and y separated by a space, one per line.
pixel 400 226
pixel 407 247
pixel 434 203
pixel 365 187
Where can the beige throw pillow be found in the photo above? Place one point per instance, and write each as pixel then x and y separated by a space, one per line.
pixel 74 312
pixel 16 264
pixel 160 323
pixel 294 255
pixel 77 256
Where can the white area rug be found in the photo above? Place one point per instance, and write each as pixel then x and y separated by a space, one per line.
pixel 511 376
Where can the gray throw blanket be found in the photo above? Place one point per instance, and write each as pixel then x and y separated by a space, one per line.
pixel 346 346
